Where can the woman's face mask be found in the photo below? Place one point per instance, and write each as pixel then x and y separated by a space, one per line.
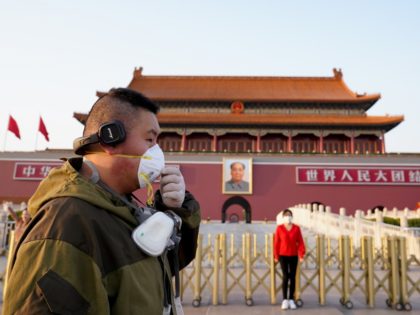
pixel 150 165
pixel 288 219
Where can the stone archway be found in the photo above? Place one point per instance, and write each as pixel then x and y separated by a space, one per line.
pixel 237 200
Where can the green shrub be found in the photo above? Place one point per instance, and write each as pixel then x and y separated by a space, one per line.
pixel 414 222
pixel 393 221
pixel 19 214
pixel 396 221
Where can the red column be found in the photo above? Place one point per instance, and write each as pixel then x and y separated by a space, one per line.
pixel 352 144
pixel 383 143
pixel 321 143
pixel 183 141
pixel 289 143
pixel 214 144
pixel 258 143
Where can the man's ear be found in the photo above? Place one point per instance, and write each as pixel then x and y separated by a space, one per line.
pixel 109 149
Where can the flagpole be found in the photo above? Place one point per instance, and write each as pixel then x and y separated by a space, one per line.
pixel 36 140
pixel 5 139
pixel 5 135
pixel 36 136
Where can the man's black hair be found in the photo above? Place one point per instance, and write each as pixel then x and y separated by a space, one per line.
pixel 134 98
pixel 118 104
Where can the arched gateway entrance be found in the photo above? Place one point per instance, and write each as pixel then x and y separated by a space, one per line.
pixel 242 203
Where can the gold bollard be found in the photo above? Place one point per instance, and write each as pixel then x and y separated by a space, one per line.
pixel 403 261
pixel 298 285
pixel 232 245
pixel 270 258
pixel 394 281
pixel 181 284
pixel 346 265
pixel 266 246
pixel 320 246
pixel 340 250
pixel 329 251
pixel 370 273
pixel 255 245
pixel 243 245
pixel 223 251
pixel 216 271
pixel 9 261
pixel 362 254
pixel 385 253
pixel 197 271
pixel 305 240
pixel 248 286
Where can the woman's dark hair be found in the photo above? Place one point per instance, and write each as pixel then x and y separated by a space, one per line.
pixel 287 211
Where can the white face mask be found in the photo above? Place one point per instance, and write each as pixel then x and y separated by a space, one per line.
pixel 150 166
pixel 288 219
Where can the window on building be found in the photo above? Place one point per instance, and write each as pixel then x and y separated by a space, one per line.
pixel 305 143
pixel 199 142
pixel 367 144
pixel 273 143
pixel 170 141
pixel 239 142
pixel 336 144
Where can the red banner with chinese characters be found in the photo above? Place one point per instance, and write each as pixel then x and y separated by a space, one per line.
pixel 33 170
pixel 358 175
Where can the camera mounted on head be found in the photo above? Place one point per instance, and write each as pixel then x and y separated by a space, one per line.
pixel 110 133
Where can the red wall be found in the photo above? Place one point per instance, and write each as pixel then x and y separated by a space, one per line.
pixel 14 190
pixel 274 188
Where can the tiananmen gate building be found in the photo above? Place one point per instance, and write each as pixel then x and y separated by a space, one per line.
pixel 298 140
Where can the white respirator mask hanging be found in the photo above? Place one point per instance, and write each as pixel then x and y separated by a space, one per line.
pixel 158 232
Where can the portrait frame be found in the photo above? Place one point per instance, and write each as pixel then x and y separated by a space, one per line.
pixel 245 186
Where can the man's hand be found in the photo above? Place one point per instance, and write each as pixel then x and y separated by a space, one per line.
pixel 172 187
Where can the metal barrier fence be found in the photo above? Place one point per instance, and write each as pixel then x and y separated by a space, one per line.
pixel 220 269
pixel 5 228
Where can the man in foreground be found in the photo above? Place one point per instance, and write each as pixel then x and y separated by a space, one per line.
pixel 83 251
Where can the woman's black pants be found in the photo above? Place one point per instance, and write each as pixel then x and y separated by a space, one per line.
pixel 288 267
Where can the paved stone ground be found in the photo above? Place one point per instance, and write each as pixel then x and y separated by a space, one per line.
pixel 236 304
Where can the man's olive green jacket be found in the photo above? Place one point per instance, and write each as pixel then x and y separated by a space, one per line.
pixel 77 256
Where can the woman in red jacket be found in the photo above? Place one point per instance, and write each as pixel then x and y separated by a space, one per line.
pixel 288 248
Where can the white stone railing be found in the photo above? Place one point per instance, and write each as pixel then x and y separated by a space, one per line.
pixel 334 225
pixel 395 213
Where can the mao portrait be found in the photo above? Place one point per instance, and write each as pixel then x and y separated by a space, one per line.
pixel 237 176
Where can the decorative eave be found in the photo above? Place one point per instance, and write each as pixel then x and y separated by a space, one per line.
pixel 236 120
pixel 250 89
pixel 216 119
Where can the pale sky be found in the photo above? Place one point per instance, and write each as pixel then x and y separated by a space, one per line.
pixel 56 54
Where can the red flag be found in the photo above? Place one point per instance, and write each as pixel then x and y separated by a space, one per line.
pixel 42 129
pixel 13 126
